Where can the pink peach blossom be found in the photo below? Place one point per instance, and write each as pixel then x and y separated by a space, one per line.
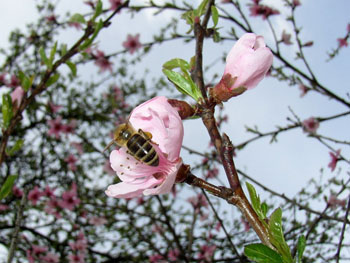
pixel 311 125
pixel 17 192
pixel 71 160
pixel 342 42
pixel 76 258
pixel 262 10
pixel 34 195
pixel 14 82
pixel 102 61
pixel 173 255
pixel 115 4
pixel 159 118
pixel 52 206
pixel 334 159
pixel 97 221
pixel 54 108
pixel 70 198
pixel 132 43
pixel 17 96
pixel 286 38
pixel 206 253
pixel 303 90
pixel 56 127
pixel 246 65
pixel 3 207
pixel 333 202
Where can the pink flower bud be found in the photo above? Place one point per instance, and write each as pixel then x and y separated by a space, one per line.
pixel 159 118
pixel 246 65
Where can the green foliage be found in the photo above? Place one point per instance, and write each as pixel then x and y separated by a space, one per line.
pixel 262 254
pixel 7 186
pixel 182 81
pixel 277 237
pixel 77 18
pixel 260 209
pixel 89 41
pixel 52 80
pixel 18 145
pixel 26 82
pixel 7 111
pixel 301 248
pixel 214 15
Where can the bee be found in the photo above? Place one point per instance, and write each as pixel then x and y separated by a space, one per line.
pixel 137 143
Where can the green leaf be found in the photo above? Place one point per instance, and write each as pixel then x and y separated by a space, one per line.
pixel 18 145
pixel 301 247
pixel 77 18
pixel 214 15
pixel 201 8
pixel 255 199
pixel 183 84
pixel 52 55
pixel 26 82
pixel 72 67
pixel 216 36
pixel 89 41
pixel 262 254
pixel 63 49
pixel 6 108
pixel 277 237
pixel 43 57
pixel 98 10
pixel 7 186
pixel 53 79
pixel 264 209
pixel 176 63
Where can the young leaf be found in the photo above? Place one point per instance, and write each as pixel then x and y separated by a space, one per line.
pixel 182 84
pixel 6 108
pixel 26 82
pixel 255 199
pixel 53 79
pixel 301 247
pixel 44 57
pixel 77 18
pixel 98 10
pixel 176 63
pixel 72 67
pixel 7 186
pixel 201 8
pixel 15 148
pixel 277 237
pixel 214 15
pixel 89 41
pixel 52 54
pixel 262 254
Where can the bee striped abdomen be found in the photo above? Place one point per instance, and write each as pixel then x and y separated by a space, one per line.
pixel 142 150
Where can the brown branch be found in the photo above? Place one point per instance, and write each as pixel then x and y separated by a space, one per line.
pixel 341 239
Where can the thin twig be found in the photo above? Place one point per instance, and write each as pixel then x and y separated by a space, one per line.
pixel 341 239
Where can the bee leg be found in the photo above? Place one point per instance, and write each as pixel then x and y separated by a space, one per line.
pixel 147 135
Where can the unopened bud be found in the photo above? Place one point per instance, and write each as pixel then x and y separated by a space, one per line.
pixel 183 108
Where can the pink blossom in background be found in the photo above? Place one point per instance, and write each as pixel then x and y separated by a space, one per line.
pixel 132 43
pixel 245 224
pixel 55 127
pixel 17 192
pixel 218 226
pixel 311 125
pixel 348 28
pixel 50 258
pixel 342 42
pixel 14 82
pixel 334 159
pixel 286 38
pixel 54 108
pixel 173 255
pixel 159 118
pixel 3 79
pixel 246 65
pixel 296 3
pixel 17 96
pixel 156 259
pixel 102 61
pixel 97 221
pixel 303 89
pixel 71 160
pixel 34 195
pixel 76 25
pixel 80 244
pixel 262 10
pixel 76 258
pixel 206 253
pixel 51 19
pixel 78 146
pixel 3 207
pixel 70 127
pixel 115 4
pixel 198 202
pixel 49 192
pixel 212 173
pixel 52 206
pixel 70 198
pixel 333 202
